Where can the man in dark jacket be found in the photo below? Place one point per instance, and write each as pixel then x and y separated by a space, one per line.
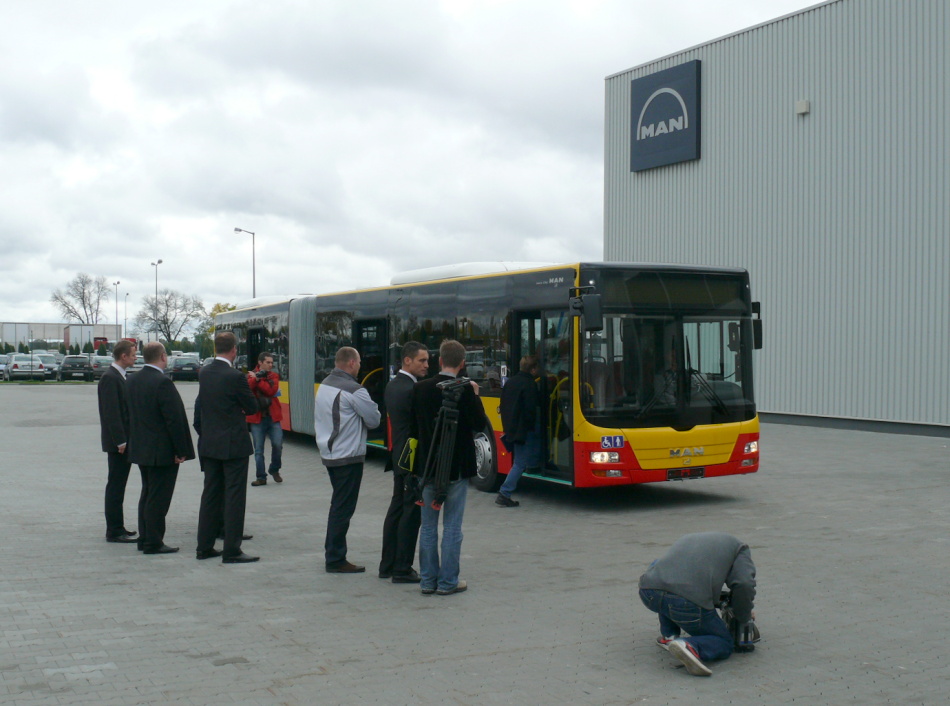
pixel 683 588
pixel 224 448
pixel 427 398
pixel 159 441
pixel 521 421
pixel 264 383
pixel 401 527
pixel 114 421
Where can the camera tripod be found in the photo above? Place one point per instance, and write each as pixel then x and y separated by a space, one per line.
pixel 442 447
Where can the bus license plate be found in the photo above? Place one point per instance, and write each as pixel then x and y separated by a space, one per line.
pixel 685 473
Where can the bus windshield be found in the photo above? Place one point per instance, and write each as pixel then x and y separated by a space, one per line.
pixel 675 349
pixel 667 370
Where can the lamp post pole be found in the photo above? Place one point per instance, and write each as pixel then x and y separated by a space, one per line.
pixel 155 313
pixel 118 333
pixel 125 320
pixel 253 260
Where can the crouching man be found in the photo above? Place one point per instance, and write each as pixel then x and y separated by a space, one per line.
pixel 683 587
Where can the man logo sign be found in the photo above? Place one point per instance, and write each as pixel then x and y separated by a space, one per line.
pixel 665 115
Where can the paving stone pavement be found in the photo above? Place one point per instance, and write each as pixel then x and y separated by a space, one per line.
pixel 849 531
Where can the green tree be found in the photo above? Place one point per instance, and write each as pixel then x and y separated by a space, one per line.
pixel 40 344
pixel 62 348
pixel 87 348
pixel 102 349
pixel 7 348
pixel 21 348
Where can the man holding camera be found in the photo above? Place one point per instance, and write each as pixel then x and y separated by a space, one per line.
pixel 428 397
pixel 683 588
pixel 265 423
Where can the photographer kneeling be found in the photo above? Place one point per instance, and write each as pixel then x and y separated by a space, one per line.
pixel 683 588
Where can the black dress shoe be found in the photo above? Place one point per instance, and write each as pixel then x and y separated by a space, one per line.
pixel 127 533
pixel 209 554
pixel 345 567
pixel 121 539
pixel 385 574
pixel 241 558
pixel 411 577
pixel 164 549
pixel 245 537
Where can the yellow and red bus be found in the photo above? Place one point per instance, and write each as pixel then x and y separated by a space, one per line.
pixel 646 370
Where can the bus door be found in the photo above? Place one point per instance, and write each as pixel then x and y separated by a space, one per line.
pixel 256 340
pixel 370 339
pixel 547 334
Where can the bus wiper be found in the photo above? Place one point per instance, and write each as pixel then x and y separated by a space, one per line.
pixel 708 392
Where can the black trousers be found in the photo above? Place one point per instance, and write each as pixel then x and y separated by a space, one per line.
pixel 400 530
pixel 346 482
pixel 158 486
pixel 224 495
pixel 119 467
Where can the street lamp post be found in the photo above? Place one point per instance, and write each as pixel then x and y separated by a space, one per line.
pixel 125 320
pixel 253 260
pixel 116 285
pixel 155 313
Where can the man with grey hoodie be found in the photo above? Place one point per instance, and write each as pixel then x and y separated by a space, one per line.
pixel 343 412
pixel 683 587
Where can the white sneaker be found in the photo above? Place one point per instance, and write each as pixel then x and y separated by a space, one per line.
pixel 686 654
pixel 663 642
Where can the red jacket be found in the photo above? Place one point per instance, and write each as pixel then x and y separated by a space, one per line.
pixel 269 387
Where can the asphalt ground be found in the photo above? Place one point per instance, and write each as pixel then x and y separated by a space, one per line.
pixel 848 530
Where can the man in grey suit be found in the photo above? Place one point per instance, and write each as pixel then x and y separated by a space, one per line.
pixel 159 441
pixel 114 422
pixel 224 449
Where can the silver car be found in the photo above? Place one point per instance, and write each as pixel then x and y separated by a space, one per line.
pixel 24 366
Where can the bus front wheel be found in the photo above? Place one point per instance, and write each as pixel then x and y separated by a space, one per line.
pixel 487 479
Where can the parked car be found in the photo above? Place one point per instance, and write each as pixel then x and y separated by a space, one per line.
pixel 207 361
pixel 136 366
pixel 24 366
pixel 75 366
pixel 50 364
pixel 182 368
pixel 100 363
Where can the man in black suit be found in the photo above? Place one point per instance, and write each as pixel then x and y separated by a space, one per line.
pixel 224 449
pixel 401 527
pixel 442 577
pixel 114 421
pixel 159 442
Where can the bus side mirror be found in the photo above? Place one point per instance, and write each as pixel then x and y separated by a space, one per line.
pixel 587 306
pixel 757 325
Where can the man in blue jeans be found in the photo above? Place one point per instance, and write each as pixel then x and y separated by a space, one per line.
pixel 521 421
pixel 265 424
pixel 683 586
pixel 442 577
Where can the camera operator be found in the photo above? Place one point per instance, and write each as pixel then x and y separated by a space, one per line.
pixel 427 400
pixel 683 587
pixel 265 423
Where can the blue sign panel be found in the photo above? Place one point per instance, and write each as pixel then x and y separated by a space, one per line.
pixel 611 442
pixel 665 117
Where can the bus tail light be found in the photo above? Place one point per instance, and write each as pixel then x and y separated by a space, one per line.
pixel 605 457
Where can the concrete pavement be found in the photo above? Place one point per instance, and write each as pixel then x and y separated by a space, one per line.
pixel 849 532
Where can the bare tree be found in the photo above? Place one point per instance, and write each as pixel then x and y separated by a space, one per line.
pixel 170 314
pixel 82 298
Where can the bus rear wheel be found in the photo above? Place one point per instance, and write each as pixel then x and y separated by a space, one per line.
pixel 487 479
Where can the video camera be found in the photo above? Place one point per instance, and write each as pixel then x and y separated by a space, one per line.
pixel 744 635
pixel 452 389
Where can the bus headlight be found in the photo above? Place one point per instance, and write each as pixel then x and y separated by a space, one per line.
pixel 752 447
pixel 605 457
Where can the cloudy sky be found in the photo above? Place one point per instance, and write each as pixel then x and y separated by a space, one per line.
pixel 357 138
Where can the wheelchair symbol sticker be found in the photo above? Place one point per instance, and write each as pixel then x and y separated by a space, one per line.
pixel 611 442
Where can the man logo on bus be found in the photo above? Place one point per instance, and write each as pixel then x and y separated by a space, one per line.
pixel 695 451
pixel 679 122
pixel 612 442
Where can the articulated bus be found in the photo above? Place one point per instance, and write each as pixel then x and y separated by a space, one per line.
pixel 646 370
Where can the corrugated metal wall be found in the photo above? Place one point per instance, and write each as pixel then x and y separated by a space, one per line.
pixel 842 216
